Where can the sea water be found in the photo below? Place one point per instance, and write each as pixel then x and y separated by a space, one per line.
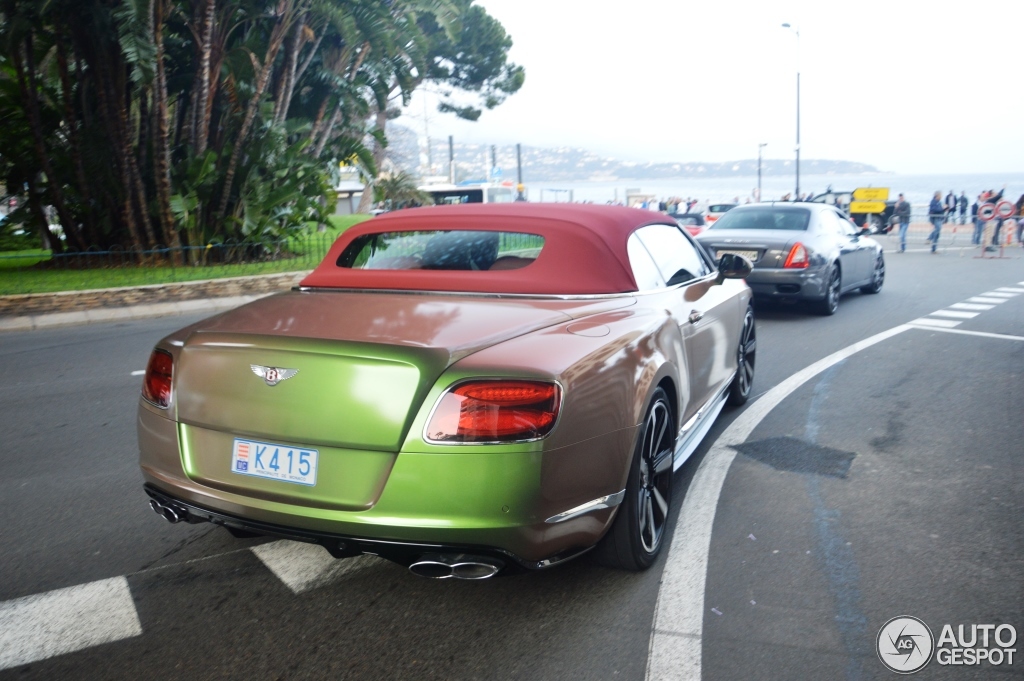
pixel 918 189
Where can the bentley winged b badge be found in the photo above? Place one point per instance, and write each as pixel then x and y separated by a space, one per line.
pixel 273 375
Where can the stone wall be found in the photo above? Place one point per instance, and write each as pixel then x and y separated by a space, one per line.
pixel 31 304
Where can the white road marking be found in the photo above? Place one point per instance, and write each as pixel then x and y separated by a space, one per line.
pixel 979 299
pixel 981 334
pixel 944 323
pixel 140 372
pixel 1010 290
pixel 65 620
pixel 676 637
pixel 970 306
pixel 303 566
pixel 999 294
pixel 954 313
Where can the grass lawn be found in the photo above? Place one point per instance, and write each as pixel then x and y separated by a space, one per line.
pixel 17 274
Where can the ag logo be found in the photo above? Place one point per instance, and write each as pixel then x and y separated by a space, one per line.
pixel 905 644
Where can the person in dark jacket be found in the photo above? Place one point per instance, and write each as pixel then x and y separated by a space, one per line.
pixel 963 207
pixel 936 214
pixel 978 224
pixel 902 213
pixel 950 206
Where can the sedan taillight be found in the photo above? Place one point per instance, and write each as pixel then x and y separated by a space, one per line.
pixel 495 411
pixel 156 386
pixel 797 258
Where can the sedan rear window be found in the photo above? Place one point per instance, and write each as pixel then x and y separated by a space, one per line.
pixel 442 250
pixel 773 217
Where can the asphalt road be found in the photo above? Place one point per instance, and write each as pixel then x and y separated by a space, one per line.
pixel 890 484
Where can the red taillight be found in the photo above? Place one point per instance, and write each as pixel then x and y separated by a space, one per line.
pixel 495 411
pixel 797 258
pixel 156 386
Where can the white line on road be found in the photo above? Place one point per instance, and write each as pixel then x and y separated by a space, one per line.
pixel 944 323
pixel 304 566
pixel 970 306
pixel 140 372
pixel 999 294
pixel 676 638
pixel 1010 290
pixel 954 314
pixel 65 620
pixel 979 299
pixel 981 334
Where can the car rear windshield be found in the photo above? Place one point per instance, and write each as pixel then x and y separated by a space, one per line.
pixel 768 217
pixel 721 207
pixel 442 250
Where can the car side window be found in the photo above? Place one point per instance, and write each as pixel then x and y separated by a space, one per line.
pixel 644 270
pixel 831 223
pixel 849 229
pixel 676 257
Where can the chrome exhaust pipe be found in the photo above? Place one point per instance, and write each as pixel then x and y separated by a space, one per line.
pixel 458 566
pixel 169 513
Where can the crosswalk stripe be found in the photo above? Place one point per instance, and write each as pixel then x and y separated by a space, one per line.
pixel 943 323
pixel 304 566
pixel 979 299
pixel 999 294
pixel 970 306
pixel 954 313
pixel 65 620
pixel 1007 289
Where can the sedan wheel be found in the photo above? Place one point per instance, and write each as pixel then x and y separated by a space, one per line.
pixel 635 538
pixel 877 277
pixel 746 352
pixel 830 303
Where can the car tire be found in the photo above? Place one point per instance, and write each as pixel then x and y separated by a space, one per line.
pixel 828 305
pixel 877 276
pixel 746 351
pixel 638 531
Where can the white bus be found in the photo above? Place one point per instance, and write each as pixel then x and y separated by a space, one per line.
pixel 473 192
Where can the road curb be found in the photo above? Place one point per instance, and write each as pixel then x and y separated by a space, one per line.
pixel 114 314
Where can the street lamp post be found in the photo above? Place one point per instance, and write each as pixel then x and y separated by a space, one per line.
pixel 760 146
pixel 796 31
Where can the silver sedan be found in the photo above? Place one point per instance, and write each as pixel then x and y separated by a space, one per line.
pixel 800 251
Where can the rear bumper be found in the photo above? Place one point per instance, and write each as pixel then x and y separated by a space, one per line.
pixel 344 546
pixel 808 284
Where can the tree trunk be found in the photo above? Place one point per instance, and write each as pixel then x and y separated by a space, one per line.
pixel 202 100
pixel 27 84
pixel 262 78
pixel 379 153
pixel 38 216
pixel 161 145
pixel 72 122
pixel 291 65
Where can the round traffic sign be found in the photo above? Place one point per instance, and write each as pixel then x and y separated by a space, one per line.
pixel 1005 209
pixel 987 211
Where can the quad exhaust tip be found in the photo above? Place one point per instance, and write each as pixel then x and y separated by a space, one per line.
pixel 169 513
pixel 456 566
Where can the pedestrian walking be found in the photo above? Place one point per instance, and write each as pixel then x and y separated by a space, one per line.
pixel 902 213
pixel 963 207
pixel 950 206
pixel 978 225
pixel 1020 220
pixel 936 214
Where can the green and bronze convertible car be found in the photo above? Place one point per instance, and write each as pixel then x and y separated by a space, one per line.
pixel 465 390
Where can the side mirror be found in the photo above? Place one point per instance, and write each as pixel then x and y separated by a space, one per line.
pixel 864 231
pixel 732 266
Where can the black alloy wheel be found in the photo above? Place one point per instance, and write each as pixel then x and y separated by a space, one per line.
pixel 877 276
pixel 635 537
pixel 746 354
pixel 830 303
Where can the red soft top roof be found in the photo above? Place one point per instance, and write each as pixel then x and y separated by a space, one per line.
pixel 584 249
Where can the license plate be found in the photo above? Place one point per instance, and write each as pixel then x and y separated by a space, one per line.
pixel 274 462
pixel 749 255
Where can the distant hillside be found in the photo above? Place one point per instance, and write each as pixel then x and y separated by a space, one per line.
pixel 473 161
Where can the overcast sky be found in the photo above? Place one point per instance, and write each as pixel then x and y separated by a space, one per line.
pixel 909 86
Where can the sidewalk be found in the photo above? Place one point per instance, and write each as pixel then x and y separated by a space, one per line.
pixel 32 311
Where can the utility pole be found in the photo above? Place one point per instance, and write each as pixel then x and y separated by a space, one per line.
pixel 519 174
pixel 760 146
pixel 451 159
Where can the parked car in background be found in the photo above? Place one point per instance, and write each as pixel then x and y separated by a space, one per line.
pixel 800 251
pixel 464 390
pixel 876 222
pixel 692 222
pixel 717 210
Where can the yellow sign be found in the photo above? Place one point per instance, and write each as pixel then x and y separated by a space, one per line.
pixel 867 206
pixel 870 194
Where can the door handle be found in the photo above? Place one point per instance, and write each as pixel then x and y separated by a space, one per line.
pixel 696 316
